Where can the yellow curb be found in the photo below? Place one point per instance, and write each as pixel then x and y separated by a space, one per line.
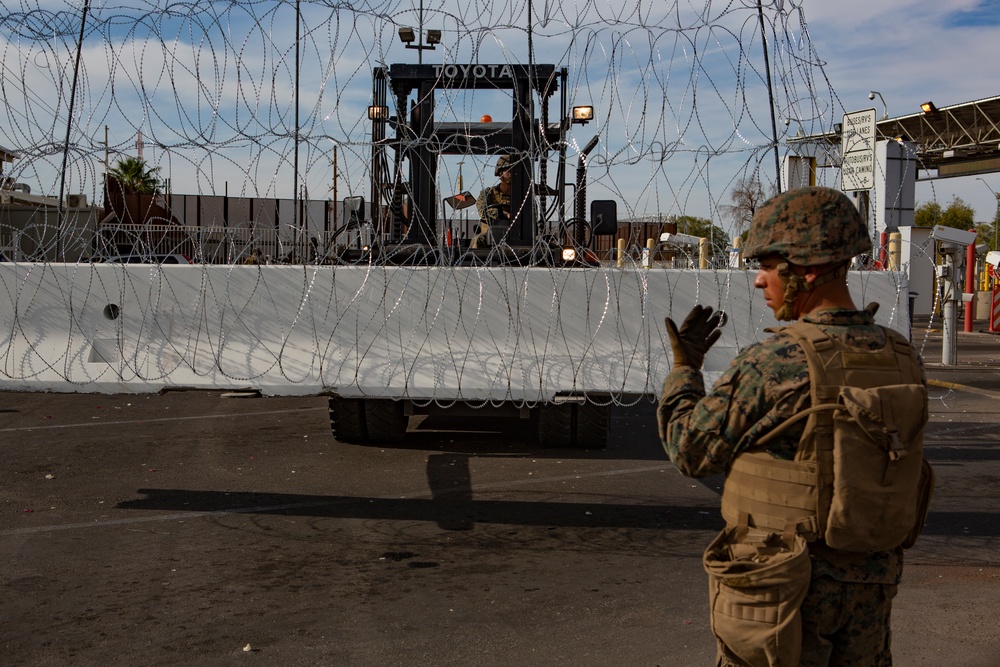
pixel 962 387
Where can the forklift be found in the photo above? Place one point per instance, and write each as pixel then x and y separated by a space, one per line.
pixel 407 148
pixel 407 204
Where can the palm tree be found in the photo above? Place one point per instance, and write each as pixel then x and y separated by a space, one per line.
pixel 135 177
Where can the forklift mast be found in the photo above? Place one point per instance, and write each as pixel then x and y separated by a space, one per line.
pixel 417 140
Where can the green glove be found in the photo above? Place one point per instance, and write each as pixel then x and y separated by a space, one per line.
pixel 699 331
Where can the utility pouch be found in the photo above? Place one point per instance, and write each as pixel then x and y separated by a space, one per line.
pixel 863 434
pixel 877 467
pixel 756 588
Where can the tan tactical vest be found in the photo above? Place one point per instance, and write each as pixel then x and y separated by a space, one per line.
pixel 858 478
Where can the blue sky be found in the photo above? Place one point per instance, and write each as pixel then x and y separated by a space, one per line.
pixel 682 80
pixel 985 14
pixel 912 51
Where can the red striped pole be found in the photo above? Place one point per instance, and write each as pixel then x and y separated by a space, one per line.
pixel 995 308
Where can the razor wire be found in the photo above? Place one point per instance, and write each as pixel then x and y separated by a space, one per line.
pixel 253 119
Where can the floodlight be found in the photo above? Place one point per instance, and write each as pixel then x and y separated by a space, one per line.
pixel 407 36
pixel 928 107
pixel 583 114
pixel 433 37
pixel 671 238
pixel 378 112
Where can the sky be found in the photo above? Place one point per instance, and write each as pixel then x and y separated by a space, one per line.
pixel 696 95
pixel 912 51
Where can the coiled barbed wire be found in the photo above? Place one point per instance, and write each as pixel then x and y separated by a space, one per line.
pixel 205 93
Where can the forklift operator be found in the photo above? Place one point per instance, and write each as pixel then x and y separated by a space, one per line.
pixel 493 203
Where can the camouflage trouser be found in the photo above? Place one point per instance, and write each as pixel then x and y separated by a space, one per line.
pixel 843 625
pixel 846 624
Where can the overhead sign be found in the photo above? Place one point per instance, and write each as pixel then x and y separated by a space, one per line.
pixel 857 151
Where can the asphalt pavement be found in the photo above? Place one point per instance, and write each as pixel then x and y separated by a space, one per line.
pixel 951 581
pixel 200 528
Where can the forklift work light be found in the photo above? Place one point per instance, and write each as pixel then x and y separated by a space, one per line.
pixel 569 254
pixel 583 114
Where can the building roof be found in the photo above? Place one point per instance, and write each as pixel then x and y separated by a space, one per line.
pixel 956 140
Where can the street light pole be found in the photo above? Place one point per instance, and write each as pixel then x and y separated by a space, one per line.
pixel 996 215
pixel 420 35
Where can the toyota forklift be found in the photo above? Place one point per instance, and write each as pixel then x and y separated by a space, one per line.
pixel 544 228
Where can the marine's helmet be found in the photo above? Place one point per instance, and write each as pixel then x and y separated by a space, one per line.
pixel 503 164
pixel 808 227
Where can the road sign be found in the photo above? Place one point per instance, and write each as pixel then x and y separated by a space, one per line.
pixel 857 151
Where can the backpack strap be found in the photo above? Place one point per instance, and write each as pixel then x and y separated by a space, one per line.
pixel 826 375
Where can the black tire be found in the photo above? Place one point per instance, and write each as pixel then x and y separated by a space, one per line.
pixel 592 426
pixel 362 421
pixel 347 419
pixel 555 425
pixel 571 425
pixel 385 420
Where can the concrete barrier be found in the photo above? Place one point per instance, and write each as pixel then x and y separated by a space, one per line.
pixel 429 333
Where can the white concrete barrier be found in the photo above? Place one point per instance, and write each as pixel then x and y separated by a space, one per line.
pixel 425 333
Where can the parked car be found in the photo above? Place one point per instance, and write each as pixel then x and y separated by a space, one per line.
pixel 171 258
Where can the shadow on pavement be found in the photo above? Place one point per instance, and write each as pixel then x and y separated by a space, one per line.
pixel 451 511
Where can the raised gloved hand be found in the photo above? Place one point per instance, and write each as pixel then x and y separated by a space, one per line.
pixel 699 331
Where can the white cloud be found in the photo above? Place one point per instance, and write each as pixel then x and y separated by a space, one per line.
pixel 911 52
pixel 681 80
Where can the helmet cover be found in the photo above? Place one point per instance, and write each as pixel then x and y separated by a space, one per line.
pixel 808 227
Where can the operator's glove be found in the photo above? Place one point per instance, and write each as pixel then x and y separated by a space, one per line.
pixel 699 331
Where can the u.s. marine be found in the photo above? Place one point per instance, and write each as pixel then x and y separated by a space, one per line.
pixel 838 601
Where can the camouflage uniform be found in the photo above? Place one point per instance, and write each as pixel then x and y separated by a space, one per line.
pixel 846 612
pixel 493 204
pixel 767 383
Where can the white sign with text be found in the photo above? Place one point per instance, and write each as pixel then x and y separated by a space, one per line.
pixel 857 151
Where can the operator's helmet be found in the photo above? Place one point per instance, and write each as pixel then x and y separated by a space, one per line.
pixel 808 227
pixel 503 164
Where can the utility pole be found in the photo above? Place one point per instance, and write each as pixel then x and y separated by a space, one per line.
pixel 335 205
pixel 105 153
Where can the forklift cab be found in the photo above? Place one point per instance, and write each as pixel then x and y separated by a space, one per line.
pixel 407 146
